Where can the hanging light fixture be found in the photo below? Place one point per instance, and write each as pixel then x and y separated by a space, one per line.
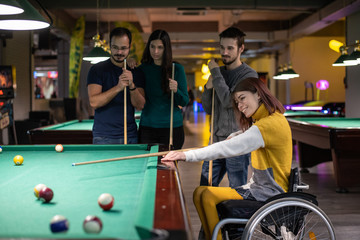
pixel 10 7
pixel 279 73
pixel 344 55
pixel 354 57
pixel 283 75
pixel 290 73
pixel 30 19
pixel 98 53
pixel 345 59
pixel 286 73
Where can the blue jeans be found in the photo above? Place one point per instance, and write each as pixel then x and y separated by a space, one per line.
pixel 106 140
pixel 235 167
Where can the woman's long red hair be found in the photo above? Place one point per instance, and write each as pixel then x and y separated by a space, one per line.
pixel 255 85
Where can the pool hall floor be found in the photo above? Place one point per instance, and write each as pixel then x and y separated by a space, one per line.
pixel 342 209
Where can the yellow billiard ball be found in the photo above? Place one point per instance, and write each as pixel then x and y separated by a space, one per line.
pixel 38 188
pixel 18 160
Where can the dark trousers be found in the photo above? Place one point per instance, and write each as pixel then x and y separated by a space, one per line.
pixel 162 136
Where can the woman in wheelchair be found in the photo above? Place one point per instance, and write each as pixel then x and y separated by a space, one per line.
pixel 265 133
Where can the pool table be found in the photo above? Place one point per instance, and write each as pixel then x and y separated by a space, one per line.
pixel 146 197
pixel 71 132
pixel 292 114
pixel 330 139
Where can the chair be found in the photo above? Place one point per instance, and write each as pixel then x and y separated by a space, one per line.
pixel 291 215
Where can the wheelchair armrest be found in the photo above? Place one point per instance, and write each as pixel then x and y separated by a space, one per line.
pixel 306 196
pixel 238 208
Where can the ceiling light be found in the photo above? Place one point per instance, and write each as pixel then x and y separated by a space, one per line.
pixel 282 73
pixel 354 57
pixel 279 73
pixel 285 73
pixel 290 73
pixel 345 59
pixel 10 7
pixel 30 19
pixel 98 53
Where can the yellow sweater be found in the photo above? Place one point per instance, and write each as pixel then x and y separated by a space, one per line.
pixel 270 143
pixel 273 162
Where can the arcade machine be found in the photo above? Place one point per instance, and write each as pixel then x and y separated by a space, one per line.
pixel 7 81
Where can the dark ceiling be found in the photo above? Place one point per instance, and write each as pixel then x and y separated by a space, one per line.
pixel 194 25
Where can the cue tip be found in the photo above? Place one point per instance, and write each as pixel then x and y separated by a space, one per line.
pixel 73 164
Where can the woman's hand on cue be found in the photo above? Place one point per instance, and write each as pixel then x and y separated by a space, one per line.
pixel 172 156
pixel 173 85
pixel 131 63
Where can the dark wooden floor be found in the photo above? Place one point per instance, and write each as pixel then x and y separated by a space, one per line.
pixel 342 209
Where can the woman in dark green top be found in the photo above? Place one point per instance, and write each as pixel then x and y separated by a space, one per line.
pixel 156 63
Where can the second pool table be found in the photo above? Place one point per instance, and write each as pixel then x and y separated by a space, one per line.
pixel 330 139
pixel 293 114
pixel 71 132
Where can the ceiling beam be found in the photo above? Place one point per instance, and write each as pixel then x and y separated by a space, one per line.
pixel 324 17
pixel 144 19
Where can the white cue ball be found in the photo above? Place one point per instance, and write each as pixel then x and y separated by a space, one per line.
pixel 59 148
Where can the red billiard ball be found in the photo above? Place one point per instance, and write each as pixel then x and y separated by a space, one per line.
pixel 92 224
pixel 106 201
pixel 46 194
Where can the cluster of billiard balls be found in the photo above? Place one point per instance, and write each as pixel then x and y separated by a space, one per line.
pixel 91 224
pixel 59 224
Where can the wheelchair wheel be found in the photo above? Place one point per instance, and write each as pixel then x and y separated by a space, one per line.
pixel 289 219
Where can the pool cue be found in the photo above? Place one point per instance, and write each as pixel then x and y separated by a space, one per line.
pixel 132 157
pixel 211 134
pixel 125 110
pixel 172 110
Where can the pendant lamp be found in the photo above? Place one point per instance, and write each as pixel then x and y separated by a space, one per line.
pixel 30 19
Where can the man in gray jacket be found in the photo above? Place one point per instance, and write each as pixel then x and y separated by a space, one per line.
pixel 223 80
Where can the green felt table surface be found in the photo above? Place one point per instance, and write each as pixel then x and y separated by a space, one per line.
pixel 86 124
pixel 76 190
pixel 347 123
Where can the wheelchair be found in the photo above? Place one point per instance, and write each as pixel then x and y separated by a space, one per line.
pixel 287 216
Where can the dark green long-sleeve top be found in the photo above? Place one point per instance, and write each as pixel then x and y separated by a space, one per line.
pixel 156 112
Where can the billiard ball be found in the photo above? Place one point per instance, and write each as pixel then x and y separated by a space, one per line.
pixel 18 160
pixel 46 194
pixel 38 188
pixel 106 201
pixel 59 224
pixel 0 149
pixel 92 224
pixel 59 148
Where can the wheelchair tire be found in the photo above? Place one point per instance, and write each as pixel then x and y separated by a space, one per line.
pixel 289 218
